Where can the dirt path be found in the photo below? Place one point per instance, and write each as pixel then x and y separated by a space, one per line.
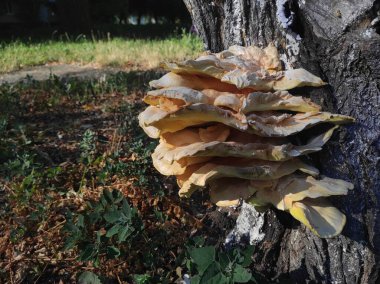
pixel 41 73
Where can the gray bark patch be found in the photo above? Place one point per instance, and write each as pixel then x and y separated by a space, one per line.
pixel 249 226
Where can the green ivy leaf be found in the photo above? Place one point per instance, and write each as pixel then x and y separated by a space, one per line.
pixel 213 275
pixel 124 233
pixel 118 196
pixel 241 274
pixel 224 260
pixel 198 241
pixel 203 257
pixel 237 257
pixel 247 253
pixel 93 217
pixel 126 209
pixel 113 230
pixel 80 222
pixel 96 261
pixel 98 238
pixel 103 201
pixel 108 196
pixel 70 242
pixel 188 264
pixel 113 216
pixel 141 278
pixel 70 227
pixel 88 277
pixel 113 252
pixel 195 279
pixel 88 253
pixel 75 235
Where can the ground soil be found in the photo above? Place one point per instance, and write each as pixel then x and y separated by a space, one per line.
pixel 63 71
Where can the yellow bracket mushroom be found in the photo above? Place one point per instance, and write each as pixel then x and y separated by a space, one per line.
pixel 223 121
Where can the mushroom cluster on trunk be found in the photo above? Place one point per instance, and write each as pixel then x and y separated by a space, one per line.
pixel 224 122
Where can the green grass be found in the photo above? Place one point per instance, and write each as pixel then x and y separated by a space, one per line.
pixel 116 52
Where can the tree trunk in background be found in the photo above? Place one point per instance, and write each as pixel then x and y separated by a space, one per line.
pixel 340 42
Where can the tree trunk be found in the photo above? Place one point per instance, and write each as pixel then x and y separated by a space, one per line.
pixel 340 42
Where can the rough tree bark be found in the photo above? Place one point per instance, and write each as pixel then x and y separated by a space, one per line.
pixel 340 42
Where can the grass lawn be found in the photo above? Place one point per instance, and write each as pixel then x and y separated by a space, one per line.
pixel 115 52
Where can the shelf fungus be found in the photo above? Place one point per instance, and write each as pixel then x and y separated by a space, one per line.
pixel 227 123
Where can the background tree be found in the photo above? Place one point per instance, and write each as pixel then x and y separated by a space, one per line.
pixel 338 41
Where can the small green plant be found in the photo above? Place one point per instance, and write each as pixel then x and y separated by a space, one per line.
pixel 17 233
pixel 141 167
pixel 208 265
pixel 88 151
pixel 139 150
pixel 142 279
pixel 108 227
pixel 88 277
pixel 26 171
pixel 88 146
pixel 3 125
pixel 23 165
pixel 9 100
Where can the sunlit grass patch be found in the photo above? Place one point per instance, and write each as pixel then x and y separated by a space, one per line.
pixel 116 52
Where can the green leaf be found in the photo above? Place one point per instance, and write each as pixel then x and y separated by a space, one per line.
pixel 88 253
pixel 198 241
pixel 195 279
pixel 80 222
pixel 113 252
pixel 98 238
pixel 70 227
pixel 70 242
pixel 188 264
pixel 103 201
pixel 160 216
pixel 126 209
pixel 247 253
pixel 88 277
pixel 113 230
pixel 91 204
pixel 203 257
pixel 93 217
pixel 124 233
pixel 118 196
pixel 75 235
pixel 141 278
pixel 108 196
pixel 224 260
pixel 96 261
pixel 236 256
pixel 241 274
pixel 213 275
pixel 113 216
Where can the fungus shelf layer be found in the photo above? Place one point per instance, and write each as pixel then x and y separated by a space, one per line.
pixel 224 122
